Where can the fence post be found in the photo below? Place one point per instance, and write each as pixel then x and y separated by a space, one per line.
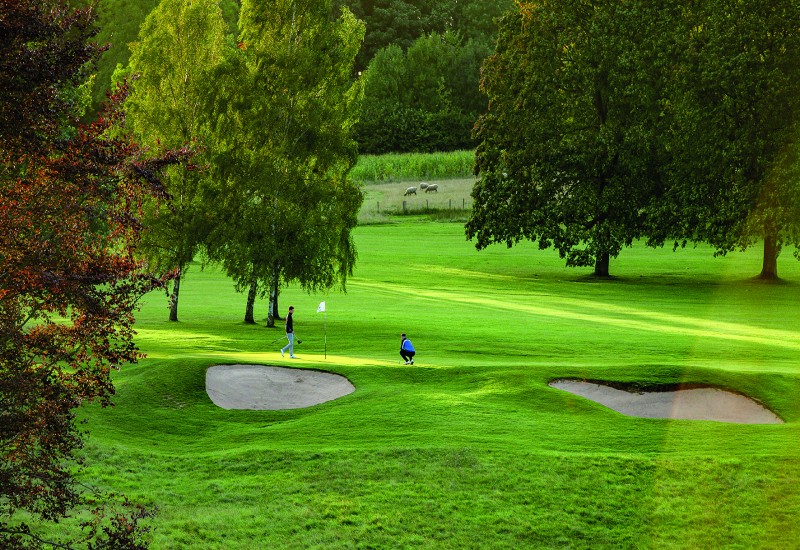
pixel 404 206
pixel 450 204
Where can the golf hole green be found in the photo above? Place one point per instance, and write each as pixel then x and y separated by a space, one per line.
pixel 259 387
pixel 689 403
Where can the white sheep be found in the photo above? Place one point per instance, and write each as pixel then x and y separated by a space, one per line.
pixel 410 191
pixel 432 187
pixel 424 185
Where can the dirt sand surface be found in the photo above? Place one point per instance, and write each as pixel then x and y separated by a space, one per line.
pixel 692 404
pixel 259 387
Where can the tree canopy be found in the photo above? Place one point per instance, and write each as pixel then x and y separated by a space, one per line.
pixel 120 22
pixel 734 106
pixel 567 148
pixel 612 122
pixel 425 99
pixel 286 106
pixel 402 22
pixel 171 67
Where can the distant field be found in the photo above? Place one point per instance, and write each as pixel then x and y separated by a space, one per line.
pixel 381 199
pixel 469 448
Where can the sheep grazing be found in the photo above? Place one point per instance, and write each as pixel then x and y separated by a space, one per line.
pixel 432 187
pixel 424 185
pixel 410 191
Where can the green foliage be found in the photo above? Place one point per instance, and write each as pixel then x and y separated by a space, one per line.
pixel 612 122
pixel 424 100
pixel 283 148
pixel 567 151
pixel 413 166
pixel 735 111
pixel 180 45
pixel 120 21
pixel 402 22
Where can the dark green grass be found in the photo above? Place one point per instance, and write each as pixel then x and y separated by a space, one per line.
pixel 469 448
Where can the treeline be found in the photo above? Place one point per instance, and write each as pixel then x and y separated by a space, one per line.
pixel 672 122
pixel 420 61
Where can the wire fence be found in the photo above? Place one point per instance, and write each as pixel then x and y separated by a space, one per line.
pixel 422 205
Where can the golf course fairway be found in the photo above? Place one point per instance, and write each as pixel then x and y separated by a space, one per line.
pixel 469 447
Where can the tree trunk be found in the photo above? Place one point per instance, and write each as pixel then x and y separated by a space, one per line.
pixel 173 299
pixel 769 266
pixel 601 265
pixel 251 300
pixel 274 312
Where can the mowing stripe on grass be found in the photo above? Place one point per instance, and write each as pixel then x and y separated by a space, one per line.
pixel 716 329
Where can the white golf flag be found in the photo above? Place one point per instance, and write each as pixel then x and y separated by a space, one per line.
pixel 321 307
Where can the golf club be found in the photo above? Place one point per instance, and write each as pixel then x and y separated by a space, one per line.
pixel 298 340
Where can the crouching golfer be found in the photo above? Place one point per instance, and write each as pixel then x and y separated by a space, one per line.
pixel 407 350
pixel 289 334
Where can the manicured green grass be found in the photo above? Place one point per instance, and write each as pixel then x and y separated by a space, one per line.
pixel 469 448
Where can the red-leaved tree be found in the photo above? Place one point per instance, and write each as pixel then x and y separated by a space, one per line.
pixel 69 281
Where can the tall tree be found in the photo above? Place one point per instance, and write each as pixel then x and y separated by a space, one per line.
pixel 425 99
pixel 568 149
pixel 69 282
pixel 180 44
pixel 283 149
pixel 735 111
pixel 120 22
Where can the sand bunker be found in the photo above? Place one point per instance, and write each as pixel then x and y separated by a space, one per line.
pixel 702 403
pixel 263 388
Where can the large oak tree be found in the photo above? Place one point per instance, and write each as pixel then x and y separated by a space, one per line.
pixel 735 135
pixel 568 149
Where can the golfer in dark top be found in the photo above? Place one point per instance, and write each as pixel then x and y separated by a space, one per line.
pixel 289 334
pixel 407 350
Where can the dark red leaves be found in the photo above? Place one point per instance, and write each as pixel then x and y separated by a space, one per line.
pixel 70 197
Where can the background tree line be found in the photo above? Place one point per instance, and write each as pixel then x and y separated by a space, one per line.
pixel 420 58
pixel 422 63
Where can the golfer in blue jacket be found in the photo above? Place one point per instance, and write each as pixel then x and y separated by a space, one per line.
pixel 407 350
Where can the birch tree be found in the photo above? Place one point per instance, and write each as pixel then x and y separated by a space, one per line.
pixel 287 105
pixel 171 67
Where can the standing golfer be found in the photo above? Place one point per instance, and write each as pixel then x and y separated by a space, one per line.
pixel 289 334
pixel 407 350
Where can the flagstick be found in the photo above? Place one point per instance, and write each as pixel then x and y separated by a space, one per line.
pixel 325 332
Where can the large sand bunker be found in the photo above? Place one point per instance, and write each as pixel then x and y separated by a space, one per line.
pixel 257 387
pixel 701 403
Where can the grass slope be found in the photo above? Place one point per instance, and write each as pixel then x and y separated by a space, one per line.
pixel 469 448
